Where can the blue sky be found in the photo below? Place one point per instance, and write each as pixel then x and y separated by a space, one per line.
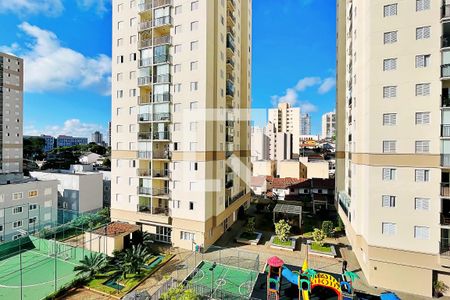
pixel 67 48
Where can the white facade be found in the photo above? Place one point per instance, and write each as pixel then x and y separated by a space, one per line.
pixel 90 158
pixel 259 144
pixel 328 125
pixel 286 119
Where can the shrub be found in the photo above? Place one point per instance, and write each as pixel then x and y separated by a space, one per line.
pixel 327 228
pixel 250 227
pixel 179 293
pixel 318 236
pixel 282 230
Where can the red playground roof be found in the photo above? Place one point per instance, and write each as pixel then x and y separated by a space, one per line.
pixel 275 261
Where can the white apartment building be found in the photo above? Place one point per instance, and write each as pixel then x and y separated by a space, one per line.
pixel 11 101
pixel 328 125
pixel 393 147
pixel 286 119
pixel 180 162
pixel 259 144
pixel 305 126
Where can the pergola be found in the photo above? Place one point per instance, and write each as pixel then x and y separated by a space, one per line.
pixel 288 209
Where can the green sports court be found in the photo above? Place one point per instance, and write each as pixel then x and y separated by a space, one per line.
pixel 222 281
pixel 30 268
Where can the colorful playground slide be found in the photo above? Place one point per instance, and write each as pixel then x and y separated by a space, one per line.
pixel 294 278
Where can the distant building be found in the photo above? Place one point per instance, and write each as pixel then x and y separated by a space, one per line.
pixel 97 137
pixel 305 127
pixel 90 158
pixel 281 145
pixel 288 168
pixel 79 192
pixel 314 168
pixel 49 142
pixel 106 188
pixel 68 141
pixel 264 168
pixel 259 144
pixel 328 125
pixel 286 119
pixel 109 133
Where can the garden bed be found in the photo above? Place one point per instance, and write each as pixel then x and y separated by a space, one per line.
pixel 105 283
pixel 276 243
pixel 249 238
pixel 327 250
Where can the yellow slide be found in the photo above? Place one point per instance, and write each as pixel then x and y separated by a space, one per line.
pixel 305 293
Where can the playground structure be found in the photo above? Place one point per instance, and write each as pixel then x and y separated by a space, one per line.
pixel 306 280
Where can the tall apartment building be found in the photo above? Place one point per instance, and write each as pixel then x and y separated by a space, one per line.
pixel 305 126
pixel 97 137
pixel 259 144
pixel 393 146
pixel 178 64
pixel 286 119
pixel 328 125
pixel 11 106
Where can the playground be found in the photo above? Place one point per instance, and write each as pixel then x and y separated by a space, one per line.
pixel 33 268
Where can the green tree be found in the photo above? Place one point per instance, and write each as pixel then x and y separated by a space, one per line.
pixel 179 293
pixel 130 261
pixel 282 230
pixel 33 147
pixel 327 228
pixel 147 239
pixel 250 226
pixel 318 236
pixel 90 265
pixel 107 162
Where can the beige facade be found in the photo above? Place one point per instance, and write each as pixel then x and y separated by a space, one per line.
pixel 284 119
pixel 11 99
pixel 314 168
pixel 180 134
pixel 328 125
pixel 288 168
pixel 264 168
pixel 392 155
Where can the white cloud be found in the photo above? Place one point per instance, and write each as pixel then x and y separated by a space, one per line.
pixel 100 6
pixel 51 8
pixel 307 107
pixel 52 67
pixel 326 86
pixel 307 82
pixel 72 127
pixel 10 49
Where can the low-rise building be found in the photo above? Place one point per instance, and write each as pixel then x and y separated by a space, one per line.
pixel 281 187
pixel 288 168
pixel 260 185
pixel 106 188
pixel 78 192
pixel 49 142
pixel 27 204
pixel 68 141
pixel 264 168
pixel 314 167
pixel 90 158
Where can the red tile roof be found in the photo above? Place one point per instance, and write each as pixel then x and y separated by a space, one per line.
pixel 116 228
pixel 283 183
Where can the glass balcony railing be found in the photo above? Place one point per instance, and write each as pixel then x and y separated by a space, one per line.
pixel 161 154
pixel 145 80
pixel 160 173
pixel 445 41
pixel 230 42
pixel 161 135
pixel 144 172
pixel 145 43
pixel 145 25
pixel 167 39
pixel 232 17
pixel 230 88
pixel 145 6
pixel 146 117
pixel 445 11
pixel 162 21
pixel 445 160
pixel 163 78
pixel 144 136
pixel 230 62
pixel 445 130
pixel 144 99
pixel 159 98
pixel 445 70
pixel 445 101
pixel 160 3
pixel 162 59
pixel 153 191
pixel 145 62
pixel 161 117
pixel 145 154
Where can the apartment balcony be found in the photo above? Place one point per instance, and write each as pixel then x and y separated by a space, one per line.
pixel 230 65
pixel 162 211
pixel 445 189
pixel 445 160
pixel 229 138
pixel 147 25
pixel 143 172
pixel 230 43
pixel 149 117
pixel 145 6
pixel 229 124
pixel 161 136
pixel 161 3
pixel 445 130
pixel 445 101
pixel 162 98
pixel 444 250
pixel 231 31
pixel 155 192
pixel 230 88
pixel 229 184
pixel 445 71
pixel 161 174
pixel 231 4
pixel 146 62
pixel 146 43
pixel 445 219
pixel 163 78
pixel 144 80
pixel 165 21
pixel 229 149
pixel 231 18
pixel 445 11
pixel 144 191
pixel 162 40
pixel 156 155
pixel 233 199
pixel 144 136
pixel 144 100
pixel 145 154
pixel 162 59
pixel 144 118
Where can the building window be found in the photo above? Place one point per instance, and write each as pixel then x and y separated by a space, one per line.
pixel 178 9
pixel 389 64
pixel 176 126
pixel 422 146
pixel 389 146
pixel 17 196
pixel 423 33
pixel 177 68
pixel 191 205
pixel 32 194
pixel 422 204
pixel 194 65
pixel 32 220
pixel 389 91
pixel 423 89
pixel 17 224
pixel 194 45
pixel 187 236
pixel 194 86
pixel 177 29
pixel 423 61
pixel 422 118
pixel 421 232
pixel 16 237
pixel 389 228
pixel 388 201
pixel 177 49
pixel 390 37
pixel 194 5
pixel 389 174
pixel 389 119
pixel 33 207
pixel 422 175
pixel 422 5
pixel 390 10
pixel 1 228
pixel 194 26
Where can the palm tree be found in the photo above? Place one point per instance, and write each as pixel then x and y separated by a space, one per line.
pixel 90 265
pixel 130 261
pixel 147 239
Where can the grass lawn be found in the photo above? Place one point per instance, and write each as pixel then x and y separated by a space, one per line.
pixel 278 242
pixel 317 247
pixel 129 283
pixel 248 236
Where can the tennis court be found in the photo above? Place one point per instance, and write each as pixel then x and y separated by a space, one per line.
pixel 221 281
pixel 32 268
